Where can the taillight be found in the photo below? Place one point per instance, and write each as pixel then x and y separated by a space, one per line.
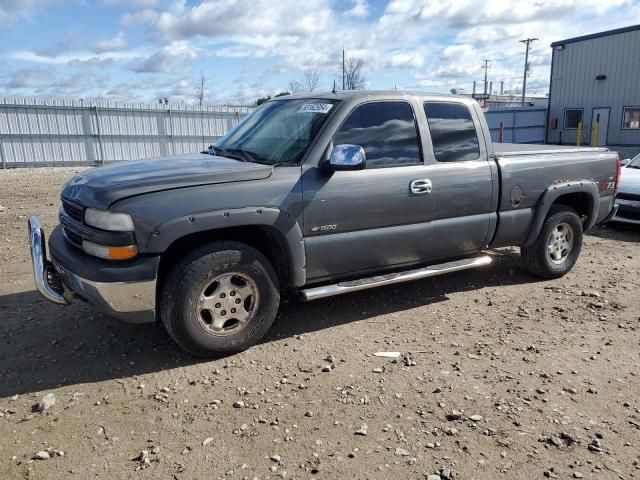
pixel 618 175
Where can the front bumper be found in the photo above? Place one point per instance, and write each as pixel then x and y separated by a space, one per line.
pixel 130 300
pixel 628 211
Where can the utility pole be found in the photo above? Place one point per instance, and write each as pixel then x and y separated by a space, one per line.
pixel 527 42
pixel 343 69
pixel 486 67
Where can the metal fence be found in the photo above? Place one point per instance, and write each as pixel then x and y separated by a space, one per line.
pixel 521 124
pixel 37 132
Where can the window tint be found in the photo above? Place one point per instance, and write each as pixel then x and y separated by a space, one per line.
pixel 572 117
pixel 453 133
pixel 386 131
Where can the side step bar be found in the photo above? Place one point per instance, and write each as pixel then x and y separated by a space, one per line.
pixel 316 293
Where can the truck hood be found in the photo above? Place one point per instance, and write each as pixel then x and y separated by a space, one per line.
pixel 101 187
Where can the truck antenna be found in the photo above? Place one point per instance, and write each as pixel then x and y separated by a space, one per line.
pixel 334 86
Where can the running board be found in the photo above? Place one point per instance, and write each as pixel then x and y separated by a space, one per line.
pixel 391 278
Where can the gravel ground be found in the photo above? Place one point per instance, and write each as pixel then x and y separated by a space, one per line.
pixel 500 375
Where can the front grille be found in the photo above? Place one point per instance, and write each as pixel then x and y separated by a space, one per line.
pixel 628 196
pixel 74 211
pixel 73 237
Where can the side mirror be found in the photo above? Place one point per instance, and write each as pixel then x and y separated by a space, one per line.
pixel 625 162
pixel 346 157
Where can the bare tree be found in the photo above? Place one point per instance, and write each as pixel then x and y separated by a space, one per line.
pixel 353 75
pixel 310 79
pixel 294 87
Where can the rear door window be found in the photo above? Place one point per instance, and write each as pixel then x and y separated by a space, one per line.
pixel 453 132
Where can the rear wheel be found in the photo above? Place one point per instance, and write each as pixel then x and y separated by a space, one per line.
pixel 558 246
pixel 220 299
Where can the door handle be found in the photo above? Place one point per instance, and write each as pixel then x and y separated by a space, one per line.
pixel 420 186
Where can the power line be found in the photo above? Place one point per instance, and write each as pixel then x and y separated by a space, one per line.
pixel 527 42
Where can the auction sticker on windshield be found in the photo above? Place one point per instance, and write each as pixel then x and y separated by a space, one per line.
pixel 315 108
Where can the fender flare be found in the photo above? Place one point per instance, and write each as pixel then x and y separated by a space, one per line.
pixel 282 222
pixel 555 191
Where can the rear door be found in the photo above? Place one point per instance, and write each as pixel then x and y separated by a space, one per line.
pixel 462 178
pixel 369 220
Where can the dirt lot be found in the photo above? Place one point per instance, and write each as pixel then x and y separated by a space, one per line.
pixel 501 376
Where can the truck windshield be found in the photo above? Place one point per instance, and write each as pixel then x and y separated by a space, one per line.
pixel 635 163
pixel 278 132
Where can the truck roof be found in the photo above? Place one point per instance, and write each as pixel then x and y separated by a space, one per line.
pixel 374 95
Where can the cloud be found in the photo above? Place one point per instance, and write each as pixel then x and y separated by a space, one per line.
pixel 230 17
pixel 142 16
pixel 467 13
pixel 406 60
pixel 5 17
pixel 43 81
pixel 34 77
pixel 69 57
pixel 419 43
pixel 454 53
pixel 170 59
pixel 360 9
pixel 119 42
pixel 137 3
pixel 12 10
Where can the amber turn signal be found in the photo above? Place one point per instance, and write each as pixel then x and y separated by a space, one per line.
pixel 123 253
pixel 110 253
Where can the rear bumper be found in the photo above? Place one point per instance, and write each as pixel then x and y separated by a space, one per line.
pixel 125 291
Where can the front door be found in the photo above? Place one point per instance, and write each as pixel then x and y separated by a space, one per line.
pixel 369 219
pixel 600 117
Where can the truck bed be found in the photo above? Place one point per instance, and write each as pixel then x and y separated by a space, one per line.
pixel 511 149
pixel 527 171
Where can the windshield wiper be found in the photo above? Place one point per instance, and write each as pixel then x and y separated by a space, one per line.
pixel 247 155
pixel 240 154
pixel 230 153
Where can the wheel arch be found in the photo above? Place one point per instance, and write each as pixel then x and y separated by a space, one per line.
pixel 273 233
pixel 583 196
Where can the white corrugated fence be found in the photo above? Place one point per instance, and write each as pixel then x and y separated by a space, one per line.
pixel 74 132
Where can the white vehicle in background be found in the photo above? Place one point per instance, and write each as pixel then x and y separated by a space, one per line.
pixel 628 198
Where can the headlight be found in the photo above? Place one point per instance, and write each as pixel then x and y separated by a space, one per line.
pixel 105 220
pixel 110 253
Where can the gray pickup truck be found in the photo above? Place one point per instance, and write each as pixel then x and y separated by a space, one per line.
pixel 320 194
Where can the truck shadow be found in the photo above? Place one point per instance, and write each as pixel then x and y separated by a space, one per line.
pixel 45 346
pixel 622 232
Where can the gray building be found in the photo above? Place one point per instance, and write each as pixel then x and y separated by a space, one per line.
pixel 596 79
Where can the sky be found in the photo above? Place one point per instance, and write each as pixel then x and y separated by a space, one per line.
pixel 143 50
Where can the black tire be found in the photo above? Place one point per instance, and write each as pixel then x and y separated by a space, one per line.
pixel 537 257
pixel 186 287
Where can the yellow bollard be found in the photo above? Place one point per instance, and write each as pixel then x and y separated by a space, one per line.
pixel 579 137
pixel 594 138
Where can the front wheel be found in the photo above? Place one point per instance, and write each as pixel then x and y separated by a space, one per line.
pixel 556 250
pixel 220 299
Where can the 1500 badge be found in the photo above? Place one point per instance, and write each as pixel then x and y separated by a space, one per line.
pixel 324 228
